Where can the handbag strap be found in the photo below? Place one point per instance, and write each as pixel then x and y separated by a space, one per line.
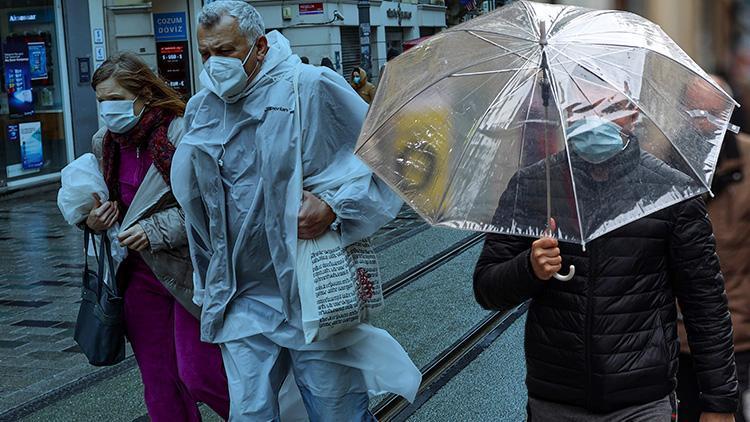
pixel 88 237
pixel 108 261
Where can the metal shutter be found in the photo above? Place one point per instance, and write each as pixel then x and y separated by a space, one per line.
pixel 349 49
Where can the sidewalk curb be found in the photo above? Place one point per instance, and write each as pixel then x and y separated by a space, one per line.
pixel 28 192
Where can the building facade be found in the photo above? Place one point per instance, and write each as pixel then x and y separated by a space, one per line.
pixel 45 74
pixel 51 48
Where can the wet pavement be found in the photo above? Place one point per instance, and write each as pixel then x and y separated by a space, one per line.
pixel 41 261
pixel 40 272
pixel 43 376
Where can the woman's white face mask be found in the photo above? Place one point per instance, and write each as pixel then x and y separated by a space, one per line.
pixel 226 77
pixel 119 115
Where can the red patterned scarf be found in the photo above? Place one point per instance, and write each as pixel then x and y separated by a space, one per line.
pixel 151 132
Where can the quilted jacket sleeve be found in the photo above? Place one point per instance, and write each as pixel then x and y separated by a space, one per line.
pixel 503 277
pixel 165 229
pixel 699 287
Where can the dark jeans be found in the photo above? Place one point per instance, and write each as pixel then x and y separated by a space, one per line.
pixel 687 387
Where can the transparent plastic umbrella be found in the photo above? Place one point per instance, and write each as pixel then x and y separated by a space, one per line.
pixel 489 126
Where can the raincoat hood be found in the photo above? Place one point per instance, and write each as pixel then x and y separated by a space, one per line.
pixel 279 51
pixel 362 78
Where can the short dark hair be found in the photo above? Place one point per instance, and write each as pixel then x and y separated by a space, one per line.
pixel 305 60
pixel 325 61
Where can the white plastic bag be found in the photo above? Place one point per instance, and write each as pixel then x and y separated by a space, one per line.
pixel 339 287
pixel 80 180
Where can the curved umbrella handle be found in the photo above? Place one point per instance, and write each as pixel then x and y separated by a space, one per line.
pixel 567 277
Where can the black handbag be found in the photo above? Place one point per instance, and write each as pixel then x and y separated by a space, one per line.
pixel 100 328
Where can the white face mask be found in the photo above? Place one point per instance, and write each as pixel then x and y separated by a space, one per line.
pixel 118 115
pixel 226 77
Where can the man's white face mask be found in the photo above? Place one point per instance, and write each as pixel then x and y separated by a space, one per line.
pixel 226 77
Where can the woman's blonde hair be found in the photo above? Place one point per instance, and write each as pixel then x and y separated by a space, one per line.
pixel 134 75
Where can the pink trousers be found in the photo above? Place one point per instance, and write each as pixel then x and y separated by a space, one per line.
pixel 177 369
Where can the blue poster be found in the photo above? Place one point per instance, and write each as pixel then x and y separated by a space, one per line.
pixel 18 79
pixel 37 60
pixel 170 26
pixel 31 145
pixel 13 133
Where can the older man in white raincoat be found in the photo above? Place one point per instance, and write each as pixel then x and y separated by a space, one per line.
pixel 236 174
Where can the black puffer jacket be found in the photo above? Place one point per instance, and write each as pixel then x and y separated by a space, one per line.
pixel 607 339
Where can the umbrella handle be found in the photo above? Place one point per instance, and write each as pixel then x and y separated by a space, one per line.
pixel 566 277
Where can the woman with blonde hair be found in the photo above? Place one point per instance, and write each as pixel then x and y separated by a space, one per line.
pixel 143 125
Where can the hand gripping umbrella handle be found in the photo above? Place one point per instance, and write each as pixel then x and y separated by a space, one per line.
pixel 567 277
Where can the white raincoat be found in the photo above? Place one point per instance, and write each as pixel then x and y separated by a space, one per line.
pixel 242 216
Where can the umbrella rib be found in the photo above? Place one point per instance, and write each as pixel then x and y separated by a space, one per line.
pixel 556 19
pixel 430 86
pixel 578 20
pixel 703 182
pixel 500 46
pixel 523 143
pixel 531 40
pixel 530 15
pixel 591 56
pixel 472 131
pixel 613 44
pixel 488 72
pixel 567 155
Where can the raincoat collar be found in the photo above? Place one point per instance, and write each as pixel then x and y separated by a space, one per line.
pixel 279 51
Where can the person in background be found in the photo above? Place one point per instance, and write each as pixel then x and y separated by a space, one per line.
pixel 325 61
pixel 304 60
pixel 359 82
pixel 143 125
pixel 390 55
pixel 729 211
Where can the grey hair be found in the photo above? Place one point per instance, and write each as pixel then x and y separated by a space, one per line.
pixel 248 19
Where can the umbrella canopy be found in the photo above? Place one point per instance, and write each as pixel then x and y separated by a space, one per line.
pixel 413 43
pixel 595 118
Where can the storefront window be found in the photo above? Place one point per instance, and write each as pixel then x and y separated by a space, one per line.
pixel 31 102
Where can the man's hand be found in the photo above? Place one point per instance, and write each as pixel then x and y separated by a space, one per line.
pixel 315 216
pixel 545 258
pixel 717 417
pixel 102 216
pixel 134 238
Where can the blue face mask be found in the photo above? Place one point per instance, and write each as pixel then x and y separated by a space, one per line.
pixel 594 139
pixel 357 79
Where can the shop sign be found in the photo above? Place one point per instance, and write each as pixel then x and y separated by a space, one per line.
pixel 31 145
pixel 398 13
pixel 31 16
pixel 311 8
pixel 99 53
pixel 18 78
pixel 98 36
pixel 37 60
pixel 172 62
pixel 13 133
pixel 170 26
